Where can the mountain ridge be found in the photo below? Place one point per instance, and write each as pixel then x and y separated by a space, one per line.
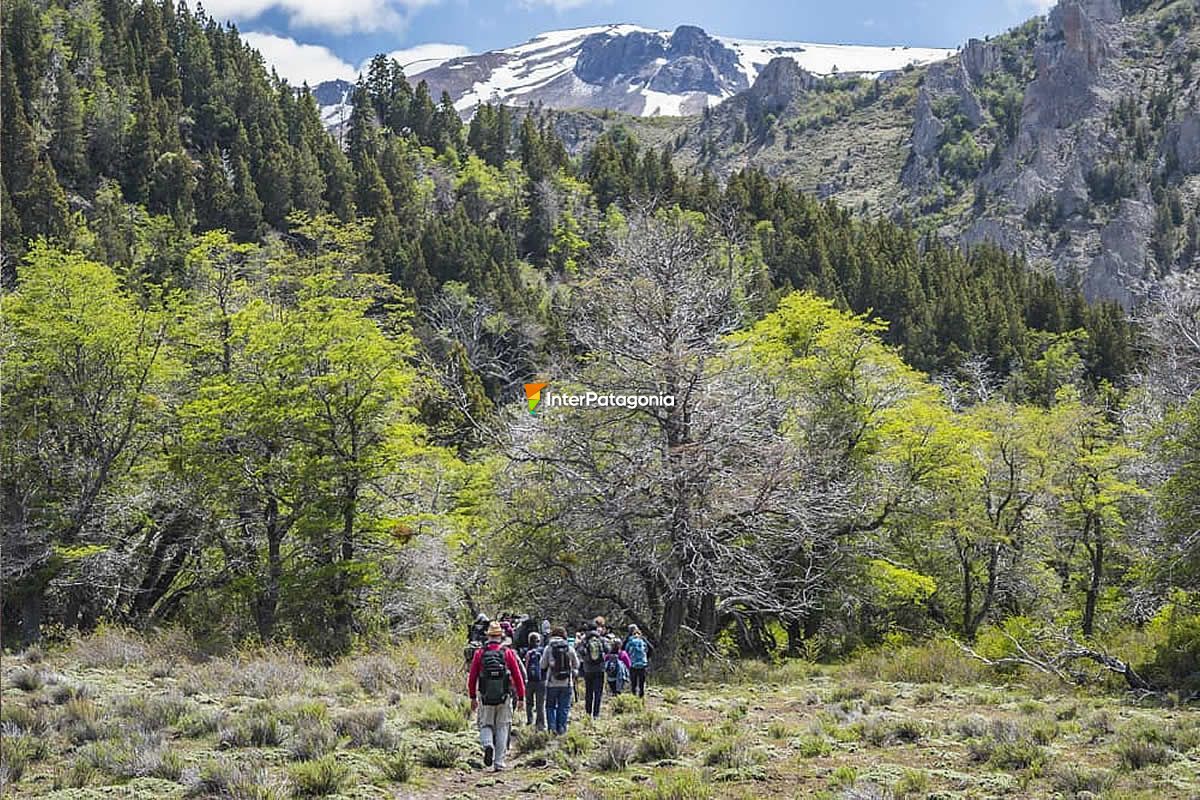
pixel 633 69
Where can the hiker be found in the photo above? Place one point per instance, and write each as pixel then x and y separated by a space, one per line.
pixel 477 631
pixel 495 676
pixel 535 684
pixel 616 668
pixel 639 659
pixel 559 665
pixel 593 651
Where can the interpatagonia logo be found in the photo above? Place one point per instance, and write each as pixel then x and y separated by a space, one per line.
pixel 538 396
pixel 533 395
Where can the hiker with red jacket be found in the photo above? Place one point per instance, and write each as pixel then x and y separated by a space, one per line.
pixel 494 678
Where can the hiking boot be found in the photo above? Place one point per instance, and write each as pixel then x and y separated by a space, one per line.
pixel 488 752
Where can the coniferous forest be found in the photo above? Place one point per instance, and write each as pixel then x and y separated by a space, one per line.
pixel 262 391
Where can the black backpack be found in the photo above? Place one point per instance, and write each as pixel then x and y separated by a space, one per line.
pixel 560 656
pixel 493 677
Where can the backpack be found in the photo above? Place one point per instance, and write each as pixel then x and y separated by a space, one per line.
pixel 612 667
pixel 636 647
pixel 533 665
pixel 493 677
pixel 560 656
pixel 595 650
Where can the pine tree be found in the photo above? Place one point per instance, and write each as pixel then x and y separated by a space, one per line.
pixel 67 151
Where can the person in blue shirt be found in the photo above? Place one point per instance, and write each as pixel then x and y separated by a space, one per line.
pixel 639 659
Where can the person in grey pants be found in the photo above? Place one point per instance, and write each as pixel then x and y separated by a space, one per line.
pixel 495 678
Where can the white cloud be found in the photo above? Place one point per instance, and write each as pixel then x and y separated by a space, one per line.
pixel 1031 6
pixel 422 57
pixel 300 62
pixel 339 16
pixel 561 5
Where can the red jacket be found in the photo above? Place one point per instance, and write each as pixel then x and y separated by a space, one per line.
pixel 510 661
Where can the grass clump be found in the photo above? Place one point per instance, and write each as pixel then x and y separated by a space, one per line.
pixel 529 739
pixel 912 784
pixel 440 713
pixel 318 778
pixel 28 679
pixel 671 696
pixel 364 727
pixel 232 779
pixel 1138 753
pixel 735 752
pixel 398 766
pixel 575 742
pixel 1073 780
pixel 252 730
pixel 939 662
pixel 813 746
pixel 615 755
pixel 666 740
pixel 441 754
pixel 842 776
pixel 627 704
pixel 688 785
pixel 311 740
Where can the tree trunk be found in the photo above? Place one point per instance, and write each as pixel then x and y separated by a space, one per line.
pixel 1095 581
pixel 32 608
pixel 668 637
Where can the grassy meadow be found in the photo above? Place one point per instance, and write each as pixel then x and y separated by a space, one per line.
pixel 122 716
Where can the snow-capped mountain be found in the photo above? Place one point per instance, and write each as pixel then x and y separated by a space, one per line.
pixel 631 69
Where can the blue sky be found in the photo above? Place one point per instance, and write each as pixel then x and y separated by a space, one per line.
pixel 316 39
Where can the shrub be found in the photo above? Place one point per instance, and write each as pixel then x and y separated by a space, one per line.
pixel 671 696
pixel 813 746
pixel 80 721
pixel 15 754
pixel 575 742
pixel 268 673
pixel 318 778
pixel 881 732
pixel 152 713
pixel 76 775
pixel 1134 753
pixel 365 728
pixel 64 692
pixel 435 714
pixel 779 730
pixel 1073 780
pixel 398 766
pixel 232 779
pixel 843 776
pixel 108 648
pixel 1021 754
pixel 170 766
pixel 926 694
pixel 663 741
pixel 627 704
pixel 375 673
pixel 735 752
pixel 441 754
pixel 615 755
pixel 28 679
pixel 843 693
pixel 22 719
pixel 913 783
pixel 311 739
pixel 678 786
pixel 252 730
pixel 200 722
pixel 529 739
pixel 939 662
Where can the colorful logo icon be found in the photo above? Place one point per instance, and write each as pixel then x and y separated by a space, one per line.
pixel 533 395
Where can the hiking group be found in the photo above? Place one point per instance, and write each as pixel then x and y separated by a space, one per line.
pixel 521 665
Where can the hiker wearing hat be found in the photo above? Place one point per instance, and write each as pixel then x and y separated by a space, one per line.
pixel 495 677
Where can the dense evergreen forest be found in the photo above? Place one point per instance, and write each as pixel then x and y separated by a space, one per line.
pixel 264 382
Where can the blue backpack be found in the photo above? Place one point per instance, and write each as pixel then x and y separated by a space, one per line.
pixel 636 647
pixel 533 664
